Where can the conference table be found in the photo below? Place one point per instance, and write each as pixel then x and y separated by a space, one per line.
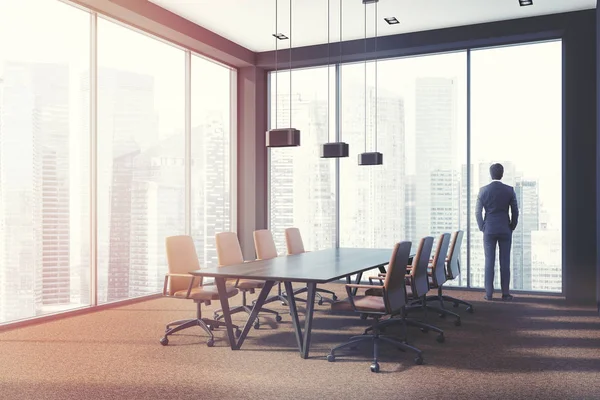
pixel 311 268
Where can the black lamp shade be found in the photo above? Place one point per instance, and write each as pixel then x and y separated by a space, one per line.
pixel 286 137
pixel 334 150
pixel 372 158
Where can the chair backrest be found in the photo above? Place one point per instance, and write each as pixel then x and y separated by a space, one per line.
pixel 394 284
pixel 264 244
pixel 438 264
pixel 419 279
pixel 293 240
pixel 453 267
pixel 182 258
pixel 229 251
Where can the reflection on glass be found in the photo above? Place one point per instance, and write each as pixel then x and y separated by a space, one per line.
pixel 44 147
pixel 211 188
pixel 515 111
pixel 302 185
pixel 141 193
pixel 421 131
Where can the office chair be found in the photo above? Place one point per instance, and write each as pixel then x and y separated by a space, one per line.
pixel 391 302
pixel 265 250
pixel 437 276
pixel 417 286
pixel 179 284
pixel 229 252
pixel 295 245
pixel 452 271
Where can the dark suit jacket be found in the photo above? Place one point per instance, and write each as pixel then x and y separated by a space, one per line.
pixel 495 199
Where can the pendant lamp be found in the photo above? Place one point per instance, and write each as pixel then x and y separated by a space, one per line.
pixel 283 137
pixel 371 157
pixel 334 149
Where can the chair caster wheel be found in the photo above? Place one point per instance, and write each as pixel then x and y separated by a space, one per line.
pixel 470 309
pixel 238 333
pixel 441 339
pixel 457 322
pixel 419 360
pixel 211 327
pixel 455 305
pixel 442 315
pixel 334 297
pixel 164 341
pixel 330 357
pixel 210 343
pixel 375 367
pixel 424 330
pixel 256 325
pixel 278 318
pixel 320 302
pixel 283 303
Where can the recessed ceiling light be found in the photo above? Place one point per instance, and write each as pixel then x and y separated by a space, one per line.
pixel 525 3
pixel 391 20
pixel 280 36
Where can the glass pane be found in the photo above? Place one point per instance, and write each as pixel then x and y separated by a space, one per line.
pixel 44 158
pixel 516 109
pixel 211 157
pixel 141 194
pixel 420 128
pixel 302 185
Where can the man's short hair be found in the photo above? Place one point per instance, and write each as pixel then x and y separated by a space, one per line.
pixel 496 171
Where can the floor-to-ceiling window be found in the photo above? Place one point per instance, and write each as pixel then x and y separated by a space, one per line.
pixel 420 127
pixel 141 159
pixel 44 153
pixel 425 185
pixel 516 120
pixel 59 67
pixel 211 157
pixel 302 185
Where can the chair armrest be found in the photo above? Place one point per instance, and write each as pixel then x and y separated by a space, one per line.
pixel 351 286
pixel 379 278
pixel 169 275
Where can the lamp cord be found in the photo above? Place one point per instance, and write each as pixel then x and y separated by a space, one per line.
pixel 365 68
pixel 290 63
pixel 376 97
pixel 328 73
pixel 276 65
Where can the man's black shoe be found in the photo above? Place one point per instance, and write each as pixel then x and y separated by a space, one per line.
pixel 507 297
pixel 488 298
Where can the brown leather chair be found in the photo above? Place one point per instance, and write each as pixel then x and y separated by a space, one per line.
pixel 229 252
pixel 179 284
pixel 391 302
pixel 295 245
pixel 452 271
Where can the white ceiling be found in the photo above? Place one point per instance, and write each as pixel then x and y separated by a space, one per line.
pixel 251 23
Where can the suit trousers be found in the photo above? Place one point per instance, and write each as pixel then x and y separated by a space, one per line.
pixel 504 242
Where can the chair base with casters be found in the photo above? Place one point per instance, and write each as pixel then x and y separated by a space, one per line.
pixel 405 321
pixel 281 296
pixel 318 296
pixel 442 297
pixel 247 309
pixel 425 305
pixel 377 338
pixel 207 324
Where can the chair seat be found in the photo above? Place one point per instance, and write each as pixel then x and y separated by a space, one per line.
pixel 362 303
pixel 206 293
pixel 246 284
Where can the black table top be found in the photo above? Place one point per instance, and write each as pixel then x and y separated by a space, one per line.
pixel 316 266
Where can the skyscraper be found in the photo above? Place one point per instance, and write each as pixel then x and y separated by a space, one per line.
pixel 34 185
pixel 436 182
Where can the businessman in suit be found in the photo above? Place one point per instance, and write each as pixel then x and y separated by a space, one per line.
pixel 497 227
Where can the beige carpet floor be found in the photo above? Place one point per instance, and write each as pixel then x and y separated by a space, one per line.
pixel 532 348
